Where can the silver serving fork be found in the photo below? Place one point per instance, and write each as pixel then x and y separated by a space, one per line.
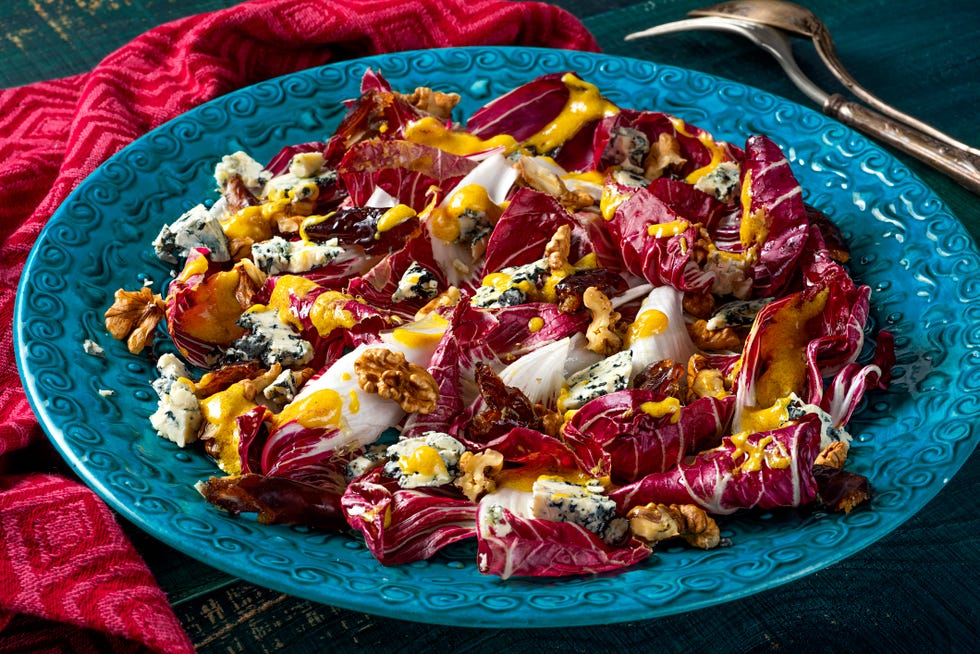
pixel 950 157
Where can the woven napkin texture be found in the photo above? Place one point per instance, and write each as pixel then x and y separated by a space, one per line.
pixel 69 578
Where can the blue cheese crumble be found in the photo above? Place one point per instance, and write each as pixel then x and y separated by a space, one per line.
pixel 721 182
pixel 92 348
pixel 586 505
pixel 431 459
pixel 278 256
pixel 510 286
pixel 196 228
pixel 306 164
pixel 269 341
pixel 283 388
pixel 736 314
pixel 169 369
pixel 601 378
pixel 178 416
pixel 240 164
pixel 797 408
pixel 417 282
pixel 373 457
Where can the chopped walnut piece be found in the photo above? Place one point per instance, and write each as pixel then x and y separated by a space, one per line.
pixel 834 455
pixel 290 223
pixel 699 305
pixel 390 375
pixel 657 522
pixel 576 200
pixel 448 298
pixel 714 340
pixel 664 155
pixel 534 174
pixel 133 316
pixel 240 248
pixel 250 281
pixel 436 103
pixel 221 378
pixel 477 473
pixel 556 252
pixel 551 421
pixel 703 380
pixel 602 331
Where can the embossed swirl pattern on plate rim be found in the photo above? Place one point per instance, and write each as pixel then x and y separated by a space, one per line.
pixel 919 261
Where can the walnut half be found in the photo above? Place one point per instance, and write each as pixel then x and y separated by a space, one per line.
pixel 656 522
pixel 133 316
pixel 390 375
pixel 602 334
pixel 478 470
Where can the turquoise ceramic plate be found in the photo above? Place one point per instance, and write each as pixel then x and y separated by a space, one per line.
pixel 918 260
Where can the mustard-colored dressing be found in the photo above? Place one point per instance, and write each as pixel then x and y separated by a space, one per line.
pixel 433 132
pixel 585 104
pixel 321 409
pixel 669 406
pixel 647 323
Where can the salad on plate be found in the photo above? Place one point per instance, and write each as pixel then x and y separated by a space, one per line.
pixel 564 328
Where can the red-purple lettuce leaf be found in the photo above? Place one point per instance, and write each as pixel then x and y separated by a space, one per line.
pixel 516 546
pixel 279 163
pixel 782 233
pixel 403 525
pixel 376 113
pixel 191 311
pixel 522 112
pixel 667 260
pixel 652 124
pixel 525 446
pixel 378 284
pixel 719 481
pixel 403 169
pixel 690 203
pixel 612 434
pixel 530 221
pixel 307 454
pixel 850 384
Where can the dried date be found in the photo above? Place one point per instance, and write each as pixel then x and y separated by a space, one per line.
pixel 569 290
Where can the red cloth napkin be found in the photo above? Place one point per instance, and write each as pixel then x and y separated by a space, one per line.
pixel 68 574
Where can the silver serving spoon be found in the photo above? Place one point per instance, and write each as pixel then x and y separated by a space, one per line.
pixel 957 160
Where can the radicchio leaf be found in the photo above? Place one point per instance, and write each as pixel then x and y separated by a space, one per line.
pixel 203 305
pixel 511 545
pixel 403 169
pixel 627 435
pixel 774 218
pixel 761 470
pixel 665 256
pixel 524 229
pixel 854 380
pixel 522 112
pixel 403 525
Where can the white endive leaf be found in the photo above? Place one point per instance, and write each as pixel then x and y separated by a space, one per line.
pixel 539 374
pixel 673 342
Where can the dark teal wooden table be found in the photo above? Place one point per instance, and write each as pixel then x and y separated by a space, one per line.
pixel 916 590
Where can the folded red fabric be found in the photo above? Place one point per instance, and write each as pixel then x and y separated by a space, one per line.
pixel 66 569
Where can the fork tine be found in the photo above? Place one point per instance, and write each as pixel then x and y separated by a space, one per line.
pixel 688 24
pixel 773 41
